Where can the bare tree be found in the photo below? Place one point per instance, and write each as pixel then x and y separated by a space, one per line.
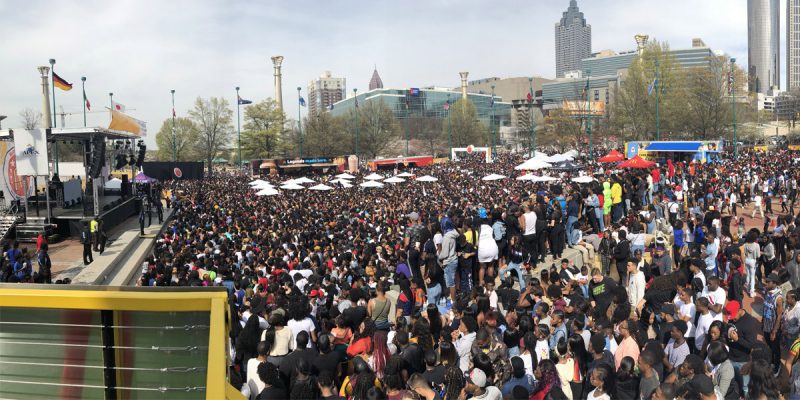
pixel 31 119
pixel 213 119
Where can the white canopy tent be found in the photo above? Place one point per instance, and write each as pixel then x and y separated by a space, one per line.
pixel 345 176
pixel 292 186
pixel 371 184
pixel 395 179
pixel 533 164
pixel 583 179
pixel 427 178
pixel 303 180
pixel 544 178
pixel 320 187
pixel 405 174
pixel 493 177
pixel 267 192
pixel 373 176
pixel 256 182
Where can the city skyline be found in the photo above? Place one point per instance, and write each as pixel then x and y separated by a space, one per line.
pixel 208 48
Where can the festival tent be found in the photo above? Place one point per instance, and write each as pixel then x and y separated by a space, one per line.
pixel 320 187
pixel 583 179
pixel 395 179
pixel 340 180
pixel 636 162
pixel 292 186
pixel 303 180
pixel 427 178
pixel 256 182
pixel 345 176
pixel 371 184
pixel 544 178
pixel 405 175
pixel 115 183
pixel 142 178
pixel 288 182
pixel 572 153
pixel 612 157
pixel 263 185
pixel 373 176
pixel 557 158
pixel 493 177
pixel 528 177
pixel 346 184
pixel 565 166
pixel 267 192
pixel 533 164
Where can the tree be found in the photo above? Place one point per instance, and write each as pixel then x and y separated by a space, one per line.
pixel 186 136
pixel 324 136
pixel 213 119
pixel 561 130
pixel 377 127
pixel 429 131
pixel 263 130
pixel 30 119
pixel 465 127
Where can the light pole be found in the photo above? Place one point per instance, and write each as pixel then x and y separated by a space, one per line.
pixel 589 114
pixel 533 120
pixel 658 115
pixel 83 89
pixel 733 105
pixel 238 128
pixel 355 97
pixel 449 133
pixel 299 122
pixel 174 136
pixel 53 88
pixel 407 113
pixel 491 105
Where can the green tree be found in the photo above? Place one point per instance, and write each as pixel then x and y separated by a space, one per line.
pixel 377 128
pixel 465 127
pixel 185 137
pixel 263 130
pixel 324 136
pixel 213 119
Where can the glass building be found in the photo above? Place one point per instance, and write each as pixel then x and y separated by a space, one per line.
pixel 429 103
pixel 763 51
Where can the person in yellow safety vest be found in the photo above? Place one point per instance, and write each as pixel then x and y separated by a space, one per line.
pixel 93 230
pixel 616 201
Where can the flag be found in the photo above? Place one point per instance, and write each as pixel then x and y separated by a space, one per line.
pixel 491 102
pixel 447 105
pixel 61 83
pixel 117 106
pixel 356 101
pixel 530 97
pixel 173 112
pixel 302 101
pixel 243 101
pixel 122 122
pixel 652 86
pixel 330 107
pixel 86 100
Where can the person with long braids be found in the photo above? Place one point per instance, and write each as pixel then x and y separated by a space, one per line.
pixel 361 343
pixel 454 382
pixel 547 379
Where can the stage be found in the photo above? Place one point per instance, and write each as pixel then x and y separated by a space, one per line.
pixel 68 222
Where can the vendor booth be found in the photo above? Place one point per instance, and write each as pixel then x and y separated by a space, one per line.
pixel 685 151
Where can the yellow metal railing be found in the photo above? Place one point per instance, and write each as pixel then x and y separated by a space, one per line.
pixel 119 300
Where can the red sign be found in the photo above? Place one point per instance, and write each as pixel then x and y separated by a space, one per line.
pixel 178 173
pixel 470 149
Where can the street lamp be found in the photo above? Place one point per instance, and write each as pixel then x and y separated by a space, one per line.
pixel 174 137
pixel 299 122
pixel 355 97
pixel 494 148
pixel 733 105
pixel 2 117
pixel 533 120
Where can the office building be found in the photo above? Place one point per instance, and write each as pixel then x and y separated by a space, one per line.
pixel 324 91
pixel 792 44
pixel 573 40
pixel 763 51
pixel 375 82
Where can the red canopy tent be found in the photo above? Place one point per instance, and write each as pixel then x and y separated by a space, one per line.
pixel 611 157
pixel 637 162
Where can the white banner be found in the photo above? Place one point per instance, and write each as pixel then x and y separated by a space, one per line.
pixel 30 148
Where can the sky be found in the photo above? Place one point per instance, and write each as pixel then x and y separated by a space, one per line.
pixel 141 49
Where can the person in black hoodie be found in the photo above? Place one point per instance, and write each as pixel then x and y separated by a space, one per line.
pixel 600 290
pixel 622 251
pixel 742 331
pixel 627 380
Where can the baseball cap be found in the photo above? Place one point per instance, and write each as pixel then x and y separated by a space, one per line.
pixel 732 308
pixel 773 277
pixel 413 216
pixel 477 377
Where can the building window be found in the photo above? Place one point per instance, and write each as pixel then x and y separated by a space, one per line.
pixel 596 95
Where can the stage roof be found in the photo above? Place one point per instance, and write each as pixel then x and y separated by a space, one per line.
pixel 77 134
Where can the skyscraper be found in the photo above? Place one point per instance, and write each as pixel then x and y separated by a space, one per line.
pixel 792 44
pixel 573 40
pixel 324 91
pixel 763 41
pixel 375 82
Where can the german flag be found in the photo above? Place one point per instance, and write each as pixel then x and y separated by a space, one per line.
pixel 61 83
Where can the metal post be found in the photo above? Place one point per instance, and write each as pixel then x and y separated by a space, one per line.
pixel 494 133
pixel 83 89
pixel 658 115
pixel 174 135
pixel 733 105
pixel 589 114
pixel 449 133
pixel 355 95
pixel 52 83
pixel 407 113
pixel 533 120
pixel 238 128
pixel 111 103
pixel 299 122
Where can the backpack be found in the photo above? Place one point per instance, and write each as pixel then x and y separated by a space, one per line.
pixel 502 227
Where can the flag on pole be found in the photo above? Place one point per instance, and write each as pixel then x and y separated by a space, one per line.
pixel 243 101
pixel 356 101
pixel 447 105
pixel 530 97
pixel 60 83
pixel 173 112
pixel 330 107
pixel 302 101
pixel 122 122
pixel 117 106
pixel 86 100
pixel 652 87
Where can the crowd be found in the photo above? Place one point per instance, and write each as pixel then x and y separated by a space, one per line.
pixel 641 284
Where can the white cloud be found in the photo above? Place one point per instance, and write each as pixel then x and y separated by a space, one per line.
pixel 141 49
